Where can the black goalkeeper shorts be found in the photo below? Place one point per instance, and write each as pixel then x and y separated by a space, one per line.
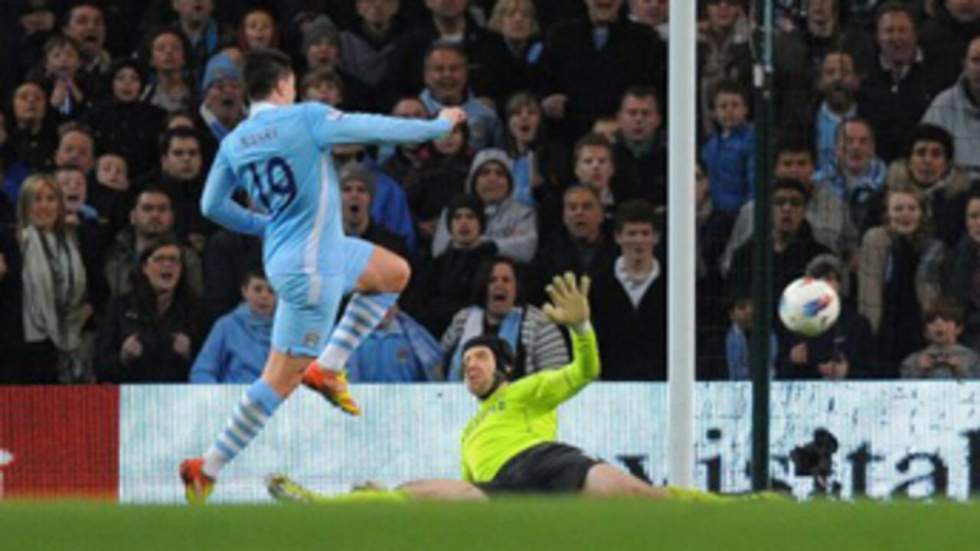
pixel 545 468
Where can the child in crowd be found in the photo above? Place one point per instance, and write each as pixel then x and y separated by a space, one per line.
pixel 943 357
pixel 737 342
pixel 730 153
pixel 236 349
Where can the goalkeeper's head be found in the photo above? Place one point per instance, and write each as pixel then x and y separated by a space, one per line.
pixel 487 363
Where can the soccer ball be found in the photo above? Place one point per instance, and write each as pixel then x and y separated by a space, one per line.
pixel 809 306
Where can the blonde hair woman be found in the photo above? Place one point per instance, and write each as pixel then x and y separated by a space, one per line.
pixel 54 306
pixel 899 275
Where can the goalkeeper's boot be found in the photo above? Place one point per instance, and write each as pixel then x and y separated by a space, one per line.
pixel 284 490
pixel 332 385
pixel 197 485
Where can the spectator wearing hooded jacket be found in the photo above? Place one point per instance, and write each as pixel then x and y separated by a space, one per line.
pixel 445 285
pixel 238 344
pixel 510 224
pixel 957 109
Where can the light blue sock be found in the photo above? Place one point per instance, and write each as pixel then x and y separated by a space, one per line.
pixel 256 407
pixel 362 315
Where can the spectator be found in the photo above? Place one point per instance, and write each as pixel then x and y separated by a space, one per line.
pixel 793 244
pixel 899 87
pixel 449 22
pixel 511 225
pixel 541 166
pixel 958 111
pixel 404 161
pixel 70 95
pixel 85 23
pixel 739 339
pixel 723 49
pixel 856 173
pixel 399 350
pixel 447 84
pixel 947 34
pixel 390 204
pixel 595 166
pixel 223 105
pixel 801 52
pixel 587 64
pixel 499 308
pixel 961 272
pixel 35 24
pixel 321 50
pixel 357 189
pixel 445 285
pixel 944 357
pixel 33 135
pixel 151 218
pixel 519 64
pixel 581 244
pixel 195 21
pixel 166 51
pixel 653 14
pixel 125 124
pixel 729 155
pixel 640 150
pixel 368 46
pixel 838 85
pixel 897 257
pixel 442 174
pixel 76 147
pixel 238 344
pixel 90 230
pixel 629 300
pixel 322 85
pixel 182 176
pixel 843 351
pixel 109 195
pixel 151 332
pixel 258 29
pixel 55 307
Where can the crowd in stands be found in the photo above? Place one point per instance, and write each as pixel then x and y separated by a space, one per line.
pixel 113 110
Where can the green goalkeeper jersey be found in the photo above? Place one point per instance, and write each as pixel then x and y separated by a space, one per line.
pixel 524 413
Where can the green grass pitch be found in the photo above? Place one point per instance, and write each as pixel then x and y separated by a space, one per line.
pixel 527 524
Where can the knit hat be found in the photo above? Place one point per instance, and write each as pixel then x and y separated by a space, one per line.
pixel 465 201
pixel 322 28
pixel 485 156
pixel 502 352
pixel 359 172
pixel 219 67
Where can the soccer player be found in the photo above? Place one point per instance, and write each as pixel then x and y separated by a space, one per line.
pixel 509 445
pixel 281 156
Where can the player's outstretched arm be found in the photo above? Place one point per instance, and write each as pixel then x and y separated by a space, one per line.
pixel 331 126
pixel 569 306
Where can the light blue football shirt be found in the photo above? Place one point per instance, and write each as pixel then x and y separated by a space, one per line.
pixel 281 156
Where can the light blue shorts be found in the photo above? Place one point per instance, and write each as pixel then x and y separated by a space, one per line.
pixel 306 307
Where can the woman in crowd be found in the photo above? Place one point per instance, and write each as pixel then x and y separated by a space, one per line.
pixel 152 332
pixel 897 257
pixel 55 306
pixel 500 309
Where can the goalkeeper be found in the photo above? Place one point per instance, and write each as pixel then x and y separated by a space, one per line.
pixel 509 445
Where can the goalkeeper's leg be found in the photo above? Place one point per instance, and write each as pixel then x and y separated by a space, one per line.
pixel 284 489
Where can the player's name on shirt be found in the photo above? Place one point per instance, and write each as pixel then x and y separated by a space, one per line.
pixel 258 138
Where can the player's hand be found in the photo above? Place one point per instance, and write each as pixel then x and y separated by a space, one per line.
pixel 569 300
pixel 455 115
